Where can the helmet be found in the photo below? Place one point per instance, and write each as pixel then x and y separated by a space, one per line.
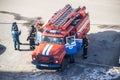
pixel 32 26
pixel 14 22
pixel 38 23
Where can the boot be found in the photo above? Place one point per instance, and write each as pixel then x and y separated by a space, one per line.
pixel 84 56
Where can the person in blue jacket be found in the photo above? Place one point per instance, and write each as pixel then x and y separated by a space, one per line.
pixel 15 36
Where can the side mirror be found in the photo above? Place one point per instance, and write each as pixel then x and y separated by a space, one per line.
pixel 70 39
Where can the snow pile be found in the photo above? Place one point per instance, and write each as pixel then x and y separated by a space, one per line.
pixel 114 72
pixel 102 73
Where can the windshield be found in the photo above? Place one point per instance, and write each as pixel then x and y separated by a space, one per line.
pixel 52 39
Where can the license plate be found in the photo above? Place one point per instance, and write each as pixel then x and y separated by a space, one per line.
pixel 45 65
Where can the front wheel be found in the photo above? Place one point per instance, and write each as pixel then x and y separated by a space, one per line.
pixel 38 67
pixel 63 65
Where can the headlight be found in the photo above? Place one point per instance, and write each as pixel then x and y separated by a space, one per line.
pixel 34 59
pixel 56 61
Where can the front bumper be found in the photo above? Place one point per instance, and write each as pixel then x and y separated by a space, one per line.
pixel 47 66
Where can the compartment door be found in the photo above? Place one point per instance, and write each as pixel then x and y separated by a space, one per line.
pixel 70 45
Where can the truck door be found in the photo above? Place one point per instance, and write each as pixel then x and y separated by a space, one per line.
pixel 77 40
pixel 70 45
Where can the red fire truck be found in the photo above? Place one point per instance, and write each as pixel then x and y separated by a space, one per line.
pixel 62 36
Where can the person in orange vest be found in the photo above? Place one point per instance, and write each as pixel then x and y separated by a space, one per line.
pixel 39 30
pixel 39 33
pixel 38 25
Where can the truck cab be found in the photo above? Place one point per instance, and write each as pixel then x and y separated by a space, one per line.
pixel 62 36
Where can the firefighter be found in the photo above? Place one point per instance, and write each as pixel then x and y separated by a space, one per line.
pixel 31 37
pixel 38 25
pixel 85 47
pixel 39 32
pixel 15 36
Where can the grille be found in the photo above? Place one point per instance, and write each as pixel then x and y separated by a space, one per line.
pixel 44 59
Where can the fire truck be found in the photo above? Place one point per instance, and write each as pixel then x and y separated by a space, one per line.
pixel 62 36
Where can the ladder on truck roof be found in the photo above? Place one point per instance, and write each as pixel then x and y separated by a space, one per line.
pixel 60 18
pixel 63 18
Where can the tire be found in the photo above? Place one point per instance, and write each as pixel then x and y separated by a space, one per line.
pixel 38 67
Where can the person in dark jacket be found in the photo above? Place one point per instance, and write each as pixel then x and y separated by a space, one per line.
pixel 31 37
pixel 15 36
pixel 85 47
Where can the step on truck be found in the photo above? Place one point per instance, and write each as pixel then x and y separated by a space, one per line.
pixel 62 36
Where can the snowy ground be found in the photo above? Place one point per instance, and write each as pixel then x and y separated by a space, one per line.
pixel 103 50
pixel 73 72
